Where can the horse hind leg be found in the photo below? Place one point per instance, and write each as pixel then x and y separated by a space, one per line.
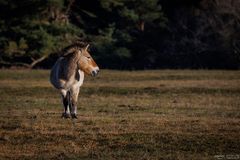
pixel 65 99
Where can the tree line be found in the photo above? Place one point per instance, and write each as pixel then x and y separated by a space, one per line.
pixel 124 34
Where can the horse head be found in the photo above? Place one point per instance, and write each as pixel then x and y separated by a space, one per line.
pixel 77 54
pixel 86 62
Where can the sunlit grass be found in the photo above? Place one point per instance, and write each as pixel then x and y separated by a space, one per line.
pixel 158 114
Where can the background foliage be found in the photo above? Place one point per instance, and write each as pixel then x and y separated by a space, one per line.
pixel 125 34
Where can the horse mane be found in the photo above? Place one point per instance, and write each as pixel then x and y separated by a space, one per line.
pixel 73 48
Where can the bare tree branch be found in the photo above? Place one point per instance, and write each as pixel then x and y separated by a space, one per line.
pixel 37 61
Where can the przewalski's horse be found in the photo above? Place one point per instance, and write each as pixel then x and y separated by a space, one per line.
pixel 67 75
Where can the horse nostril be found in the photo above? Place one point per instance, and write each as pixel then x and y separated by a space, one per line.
pixel 94 73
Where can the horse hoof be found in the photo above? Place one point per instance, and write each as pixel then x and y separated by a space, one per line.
pixel 65 115
pixel 74 116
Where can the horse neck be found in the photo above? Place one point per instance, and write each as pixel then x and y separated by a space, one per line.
pixel 71 66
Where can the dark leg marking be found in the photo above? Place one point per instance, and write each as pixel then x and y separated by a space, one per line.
pixel 66 104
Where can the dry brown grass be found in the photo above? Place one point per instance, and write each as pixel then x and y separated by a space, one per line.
pixel 164 114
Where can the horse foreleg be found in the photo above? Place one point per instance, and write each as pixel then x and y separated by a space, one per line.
pixel 74 100
pixel 65 100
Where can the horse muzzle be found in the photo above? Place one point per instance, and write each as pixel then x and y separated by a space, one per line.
pixel 95 72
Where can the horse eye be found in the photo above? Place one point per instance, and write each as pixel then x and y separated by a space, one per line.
pixel 88 57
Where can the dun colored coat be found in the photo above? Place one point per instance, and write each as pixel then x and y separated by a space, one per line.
pixel 67 75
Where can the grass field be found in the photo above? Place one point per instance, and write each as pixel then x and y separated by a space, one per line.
pixel 163 114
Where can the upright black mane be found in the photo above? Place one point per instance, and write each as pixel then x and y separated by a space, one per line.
pixel 73 48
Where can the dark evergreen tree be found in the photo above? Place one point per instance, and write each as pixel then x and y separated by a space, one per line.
pixel 125 34
pixel 33 29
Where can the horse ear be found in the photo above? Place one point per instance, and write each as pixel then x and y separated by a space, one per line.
pixel 86 48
